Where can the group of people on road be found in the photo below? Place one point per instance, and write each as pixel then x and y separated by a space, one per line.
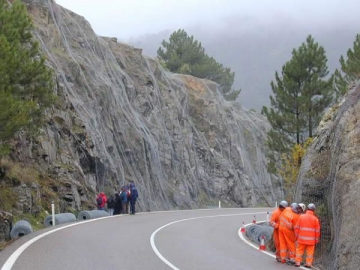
pixel 296 230
pixel 120 202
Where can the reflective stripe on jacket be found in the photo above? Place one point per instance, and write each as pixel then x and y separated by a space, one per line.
pixel 307 229
pixel 288 219
pixel 274 220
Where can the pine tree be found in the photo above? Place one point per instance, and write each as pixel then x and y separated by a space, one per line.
pixel 25 80
pixel 301 94
pixel 317 92
pixel 350 68
pixel 183 54
pixel 181 50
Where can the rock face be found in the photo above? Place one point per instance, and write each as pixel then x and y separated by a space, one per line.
pixel 6 220
pixel 120 117
pixel 329 177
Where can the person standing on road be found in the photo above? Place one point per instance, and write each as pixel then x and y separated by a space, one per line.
pixel 274 222
pixel 111 204
pixel 123 198
pixel 101 201
pixel 128 194
pixel 288 219
pixel 307 235
pixel 118 204
pixel 133 198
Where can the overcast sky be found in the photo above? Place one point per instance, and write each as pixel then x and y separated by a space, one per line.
pixel 127 19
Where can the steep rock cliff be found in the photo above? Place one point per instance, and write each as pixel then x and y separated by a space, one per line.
pixel 329 177
pixel 121 117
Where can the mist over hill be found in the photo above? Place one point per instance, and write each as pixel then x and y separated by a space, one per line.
pixel 255 50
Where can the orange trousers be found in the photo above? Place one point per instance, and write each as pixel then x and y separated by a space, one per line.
pixel 277 243
pixel 287 244
pixel 309 254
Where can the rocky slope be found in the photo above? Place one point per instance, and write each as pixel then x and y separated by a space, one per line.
pixel 120 117
pixel 329 177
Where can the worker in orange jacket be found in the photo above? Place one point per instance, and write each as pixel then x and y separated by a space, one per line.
pixel 288 219
pixel 274 222
pixel 307 235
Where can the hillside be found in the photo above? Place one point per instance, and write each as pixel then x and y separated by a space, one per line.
pixel 256 50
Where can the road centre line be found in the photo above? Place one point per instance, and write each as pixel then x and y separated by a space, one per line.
pixel 152 238
pixel 16 254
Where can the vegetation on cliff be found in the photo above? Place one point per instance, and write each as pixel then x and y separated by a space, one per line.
pixel 26 86
pixel 350 69
pixel 25 80
pixel 301 94
pixel 183 54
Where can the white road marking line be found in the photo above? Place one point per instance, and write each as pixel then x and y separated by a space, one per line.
pixel 12 259
pixel 15 255
pixel 152 238
pixel 242 237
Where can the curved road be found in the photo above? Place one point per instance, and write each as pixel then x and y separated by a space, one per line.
pixel 187 240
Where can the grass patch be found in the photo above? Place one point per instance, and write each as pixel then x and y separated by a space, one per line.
pixel 36 220
pixel 320 166
pixel 8 198
pixel 19 173
pixel 59 120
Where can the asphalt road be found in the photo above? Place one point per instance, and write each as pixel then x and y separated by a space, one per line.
pixel 187 240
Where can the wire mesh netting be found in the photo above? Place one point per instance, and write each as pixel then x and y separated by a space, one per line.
pixel 174 135
pixel 329 178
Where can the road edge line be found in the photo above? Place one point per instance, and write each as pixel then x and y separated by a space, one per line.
pixel 9 263
pixel 242 237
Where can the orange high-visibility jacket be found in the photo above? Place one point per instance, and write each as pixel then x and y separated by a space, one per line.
pixel 307 229
pixel 274 220
pixel 288 218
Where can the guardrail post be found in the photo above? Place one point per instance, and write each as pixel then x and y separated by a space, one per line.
pixel 53 213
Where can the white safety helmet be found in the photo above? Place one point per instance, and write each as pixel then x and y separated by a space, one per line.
pixel 311 206
pixel 283 204
pixel 302 206
pixel 294 207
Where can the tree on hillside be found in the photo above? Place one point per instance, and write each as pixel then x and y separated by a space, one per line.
pixel 301 94
pixel 350 68
pixel 181 50
pixel 317 92
pixel 25 80
pixel 183 54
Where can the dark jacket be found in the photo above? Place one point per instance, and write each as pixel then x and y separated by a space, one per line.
pixel 134 193
pixel 123 196
pixel 111 202
pixel 118 205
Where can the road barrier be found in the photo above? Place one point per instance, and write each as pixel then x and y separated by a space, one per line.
pixel 21 228
pixel 59 219
pixel 85 215
pixel 262 243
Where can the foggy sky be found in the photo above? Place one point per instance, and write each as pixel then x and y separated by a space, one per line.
pixel 131 18
pixel 252 37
